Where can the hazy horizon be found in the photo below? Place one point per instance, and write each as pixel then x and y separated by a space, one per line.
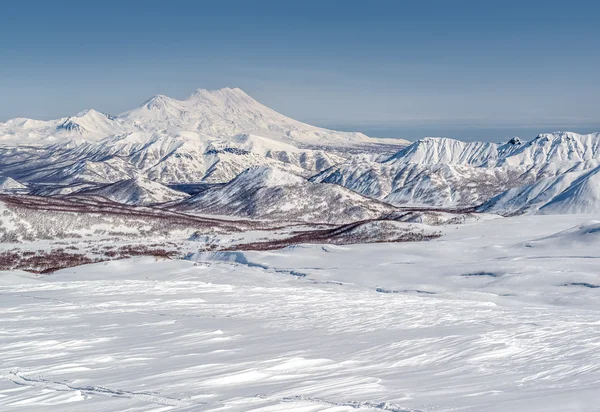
pixel 467 133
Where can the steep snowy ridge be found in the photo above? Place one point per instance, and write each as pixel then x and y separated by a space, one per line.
pixel 273 194
pixel 435 150
pixel 559 147
pixel 569 193
pixel 520 177
pixel 432 172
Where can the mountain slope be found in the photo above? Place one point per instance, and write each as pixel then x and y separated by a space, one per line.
pixel 581 197
pixel 570 193
pixel 135 191
pixel 270 193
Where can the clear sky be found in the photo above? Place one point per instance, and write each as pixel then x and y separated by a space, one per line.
pixel 470 69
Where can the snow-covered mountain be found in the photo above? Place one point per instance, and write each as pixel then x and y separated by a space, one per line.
pixel 221 114
pixel 436 150
pixel 214 136
pixel 432 172
pixel 229 112
pixel 447 173
pixel 556 148
pixel 271 193
pixel 210 137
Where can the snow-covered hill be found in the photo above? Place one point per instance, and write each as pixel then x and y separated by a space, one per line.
pixel 135 191
pixel 270 193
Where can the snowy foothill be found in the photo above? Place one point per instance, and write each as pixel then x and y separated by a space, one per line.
pixel 497 314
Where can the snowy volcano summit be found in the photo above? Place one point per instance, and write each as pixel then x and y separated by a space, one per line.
pixel 229 112
pixel 222 113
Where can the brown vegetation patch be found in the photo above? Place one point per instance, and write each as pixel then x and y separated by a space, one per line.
pixel 342 235
pixel 56 259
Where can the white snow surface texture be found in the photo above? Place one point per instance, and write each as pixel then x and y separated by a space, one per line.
pixel 497 315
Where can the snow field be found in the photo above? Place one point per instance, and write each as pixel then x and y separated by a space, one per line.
pixel 491 317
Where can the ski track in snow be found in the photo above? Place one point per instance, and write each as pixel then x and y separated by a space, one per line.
pixel 91 390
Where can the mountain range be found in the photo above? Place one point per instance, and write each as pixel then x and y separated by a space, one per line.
pixel 210 137
pixel 222 152
pixel 447 173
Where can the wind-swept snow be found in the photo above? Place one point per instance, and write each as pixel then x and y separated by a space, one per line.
pixel 494 316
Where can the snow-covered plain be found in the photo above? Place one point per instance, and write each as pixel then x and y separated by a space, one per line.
pixel 500 314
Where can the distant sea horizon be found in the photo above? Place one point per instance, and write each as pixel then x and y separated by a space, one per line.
pixel 459 132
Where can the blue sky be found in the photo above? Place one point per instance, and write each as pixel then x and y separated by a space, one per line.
pixel 470 69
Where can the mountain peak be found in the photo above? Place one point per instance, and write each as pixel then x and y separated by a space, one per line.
pixel 89 120
pixel 516 141
pixel 224 91
pixel 159 101
pixel 87 112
